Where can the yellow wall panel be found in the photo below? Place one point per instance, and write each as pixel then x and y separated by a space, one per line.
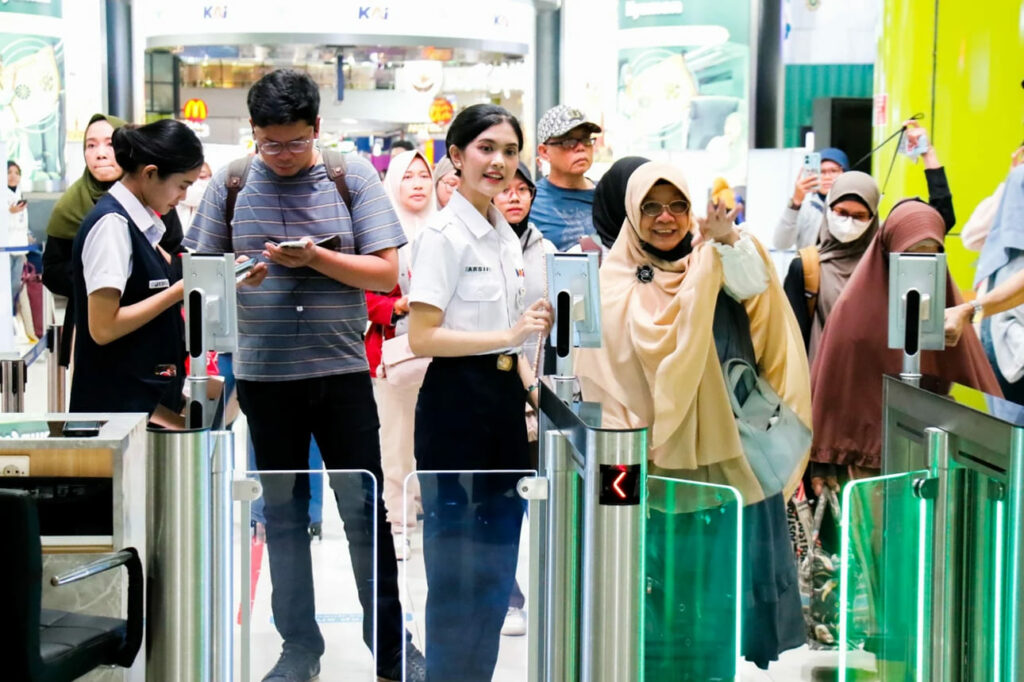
pixel 971 56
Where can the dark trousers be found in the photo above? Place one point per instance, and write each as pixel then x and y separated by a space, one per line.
pixel 469 416
pixel 339 411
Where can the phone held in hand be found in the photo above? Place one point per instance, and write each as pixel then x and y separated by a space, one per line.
pixel 293 244
pixel 243 269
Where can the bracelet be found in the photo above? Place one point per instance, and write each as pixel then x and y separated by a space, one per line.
pixel 532 387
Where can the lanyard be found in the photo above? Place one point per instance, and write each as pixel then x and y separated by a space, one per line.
pixel 899 133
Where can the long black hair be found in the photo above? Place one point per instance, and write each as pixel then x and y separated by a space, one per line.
pixel 169 145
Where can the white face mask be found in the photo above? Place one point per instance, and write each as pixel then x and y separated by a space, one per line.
pixel 195 192
pixel 845 228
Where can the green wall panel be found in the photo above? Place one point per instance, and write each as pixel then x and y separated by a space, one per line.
pixel 805 82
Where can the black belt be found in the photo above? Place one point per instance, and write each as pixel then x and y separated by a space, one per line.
pixel 502 362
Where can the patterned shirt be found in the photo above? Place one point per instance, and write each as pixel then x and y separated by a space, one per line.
pixel 298 323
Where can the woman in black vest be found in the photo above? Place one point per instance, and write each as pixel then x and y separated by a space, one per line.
pixel 129 350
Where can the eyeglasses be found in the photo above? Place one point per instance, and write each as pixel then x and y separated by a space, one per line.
pixel 653 209
pixel 452 182
pixel 275 148
pixel 522 192
pixel 570 143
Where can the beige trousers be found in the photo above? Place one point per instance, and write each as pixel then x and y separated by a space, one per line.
pixel 396 409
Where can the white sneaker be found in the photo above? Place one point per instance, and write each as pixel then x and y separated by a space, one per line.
pixel 402 547
pixel 515 623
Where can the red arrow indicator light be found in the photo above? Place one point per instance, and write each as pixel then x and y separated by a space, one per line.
pixel 617 485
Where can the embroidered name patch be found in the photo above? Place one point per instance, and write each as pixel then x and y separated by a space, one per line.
pixel 159 284
pixel 478 268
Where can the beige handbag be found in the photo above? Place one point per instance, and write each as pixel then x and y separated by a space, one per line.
pixel 402 368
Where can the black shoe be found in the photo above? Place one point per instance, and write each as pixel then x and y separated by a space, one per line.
pixel 316 530
pixel 415 667
pixel 295 665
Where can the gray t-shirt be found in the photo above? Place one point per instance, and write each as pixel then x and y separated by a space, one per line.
pixel 298 323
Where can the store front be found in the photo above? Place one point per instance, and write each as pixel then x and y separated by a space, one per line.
pixel 388 71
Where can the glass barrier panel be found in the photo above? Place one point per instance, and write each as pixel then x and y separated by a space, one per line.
pixel 693 569
pixel 985 537
pixel 467 569
pixel 882 598
pixel 315 566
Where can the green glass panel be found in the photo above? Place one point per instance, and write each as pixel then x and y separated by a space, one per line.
pixel 692 572
pixel 881 590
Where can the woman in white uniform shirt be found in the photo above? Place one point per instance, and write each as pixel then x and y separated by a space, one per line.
pixel 468 313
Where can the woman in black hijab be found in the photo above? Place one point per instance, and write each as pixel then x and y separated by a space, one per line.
pixel 610 198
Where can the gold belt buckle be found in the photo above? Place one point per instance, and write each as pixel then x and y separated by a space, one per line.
pixel 504 362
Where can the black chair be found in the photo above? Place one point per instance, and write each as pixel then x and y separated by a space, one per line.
pixel 45 645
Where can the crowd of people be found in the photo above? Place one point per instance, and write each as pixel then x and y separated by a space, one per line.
pixel 400 325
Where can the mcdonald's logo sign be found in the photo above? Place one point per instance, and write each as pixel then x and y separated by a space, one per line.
pixel 195 110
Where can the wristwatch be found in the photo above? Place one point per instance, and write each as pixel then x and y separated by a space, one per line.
pixel 979 311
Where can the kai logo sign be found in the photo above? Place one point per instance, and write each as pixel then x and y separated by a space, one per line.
pixel 215 12
pixel 374 12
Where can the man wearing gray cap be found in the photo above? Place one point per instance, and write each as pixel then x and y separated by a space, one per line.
pixel 562 208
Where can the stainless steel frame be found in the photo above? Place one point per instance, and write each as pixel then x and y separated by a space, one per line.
pixel 976 459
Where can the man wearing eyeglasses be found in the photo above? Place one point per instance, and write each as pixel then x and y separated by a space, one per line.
pixel 563 206
pixel 301 366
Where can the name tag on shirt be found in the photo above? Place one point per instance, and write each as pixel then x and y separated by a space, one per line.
pixel 159 284
pixel 478 268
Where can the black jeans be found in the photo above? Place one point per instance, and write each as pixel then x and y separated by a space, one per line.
pixel 339 411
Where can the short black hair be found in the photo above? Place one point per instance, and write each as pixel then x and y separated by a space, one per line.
pixel 282 97
pixel 403 144
pixel 169 145
pixel 474 120
pixel 13 164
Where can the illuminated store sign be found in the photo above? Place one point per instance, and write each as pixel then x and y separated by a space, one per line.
pixel 194 110
pixel 199 22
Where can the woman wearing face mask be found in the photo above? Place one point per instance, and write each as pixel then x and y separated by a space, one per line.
pixel 853 355
pixel 409 185
pixel 446 181
pixel 469 313
pixel 660 367
pixel 129 354
pixel 188 206
pixel 847 228
pixel 101 172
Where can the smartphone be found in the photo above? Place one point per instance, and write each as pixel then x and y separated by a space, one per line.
pixel 242 269
pixel 81 429
pixel 812 166
pixel 293 244
pixel 22 202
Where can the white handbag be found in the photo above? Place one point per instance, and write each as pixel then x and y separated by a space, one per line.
pixel 401 367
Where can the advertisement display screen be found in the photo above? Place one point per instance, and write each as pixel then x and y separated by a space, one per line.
pixel 32 87
pixel 684 79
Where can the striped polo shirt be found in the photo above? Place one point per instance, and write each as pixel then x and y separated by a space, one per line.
pixel 298 323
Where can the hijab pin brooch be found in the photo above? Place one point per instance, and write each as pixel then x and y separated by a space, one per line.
pixel 645 273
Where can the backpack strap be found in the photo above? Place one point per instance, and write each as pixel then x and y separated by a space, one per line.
pixel 811 261
pixel 334 162
pixel 238 171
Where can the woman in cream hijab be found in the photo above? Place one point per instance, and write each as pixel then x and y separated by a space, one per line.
pixel 409 185
pixel 659 367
